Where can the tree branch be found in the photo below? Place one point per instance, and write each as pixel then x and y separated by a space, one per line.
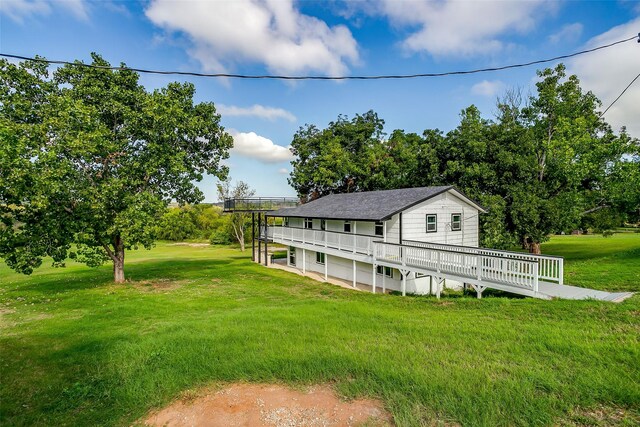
pixel 109 252
pixel 597 208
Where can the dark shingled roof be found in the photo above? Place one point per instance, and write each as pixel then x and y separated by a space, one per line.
pixel 366 206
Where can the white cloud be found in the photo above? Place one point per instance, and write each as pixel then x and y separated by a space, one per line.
pixel 460 29
pixel 18 10
pixel 488 88
pixel 607 72
pixel 250 144
pixel 269 32
pixel 568 33
pixel 268 113
pixel 283 171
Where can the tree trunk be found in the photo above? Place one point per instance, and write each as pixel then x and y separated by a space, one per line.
pixel 242 244
pixel 118 261
pixel 534 248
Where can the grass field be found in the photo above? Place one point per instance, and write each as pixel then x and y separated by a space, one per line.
pixel 75 349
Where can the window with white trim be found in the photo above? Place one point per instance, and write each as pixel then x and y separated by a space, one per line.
pixel 285 221
pixel 320 257
pixel 379 228
pixel 456 222
pixel 432 223
pixel 292 256
pixel 387 271
pixel 308 223
pixel 347 227
pixel 323 224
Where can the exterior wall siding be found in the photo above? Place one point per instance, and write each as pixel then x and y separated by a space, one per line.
pixel 444 205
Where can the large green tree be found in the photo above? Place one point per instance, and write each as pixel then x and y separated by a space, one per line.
pixel 335 159
pixel 89 159
pixel 540 166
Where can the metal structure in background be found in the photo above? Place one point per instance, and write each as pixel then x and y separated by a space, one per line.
pixel 260 206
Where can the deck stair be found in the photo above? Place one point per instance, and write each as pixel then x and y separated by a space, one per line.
pixel 538 276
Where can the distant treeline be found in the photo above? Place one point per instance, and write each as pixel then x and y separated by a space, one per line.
pixel 197 222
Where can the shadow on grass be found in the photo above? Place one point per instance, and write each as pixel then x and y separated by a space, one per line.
pixel 60 280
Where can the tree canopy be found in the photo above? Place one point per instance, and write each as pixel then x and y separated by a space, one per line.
pixel 90 160
pixel 543 164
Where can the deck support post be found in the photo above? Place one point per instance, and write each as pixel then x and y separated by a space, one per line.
pixel 259 241
pixel 430 285
pixel 479 289
pixel 253 236
pixel 266 238
pixel 404 274
pixel 439 282
pixel 384 285
pixel 373 280
pixel 304 261
pixel 326 266
pixel 354 273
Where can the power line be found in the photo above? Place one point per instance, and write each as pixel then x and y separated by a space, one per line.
pixel 620 96
pixel 282 77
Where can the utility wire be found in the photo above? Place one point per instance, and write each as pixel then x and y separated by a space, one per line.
pixel 620 96
pixel 282 77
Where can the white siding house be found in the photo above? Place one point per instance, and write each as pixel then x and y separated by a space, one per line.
pixel 413 240
pixel 335 235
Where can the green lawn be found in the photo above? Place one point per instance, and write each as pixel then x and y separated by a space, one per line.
pixel 76 349
pixel 592 261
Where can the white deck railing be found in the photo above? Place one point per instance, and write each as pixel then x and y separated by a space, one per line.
pixel 550 268
pixel 354 243
pixel 508 271
pixel 511 268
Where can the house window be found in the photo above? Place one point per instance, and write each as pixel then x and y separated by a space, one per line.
pixel 308 223
pixel 285 221
pixel 379 228
pixel 387 271
pixel 323 224
pixel 320 257
pixel 347 227
pixel 292 256
pixel 432 223
pixel 456 222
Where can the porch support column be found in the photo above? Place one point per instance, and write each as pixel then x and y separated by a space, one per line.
pixel 326 266
pixel 266 238
pixel 479 290
pixel 259 241
pixel 404 274
pixel 384 286
pixel 439 282
pixel 354 273
pixel 373 281
pixel 304 260
pixel 253 236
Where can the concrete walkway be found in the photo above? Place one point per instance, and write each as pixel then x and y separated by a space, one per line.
pixel 574 292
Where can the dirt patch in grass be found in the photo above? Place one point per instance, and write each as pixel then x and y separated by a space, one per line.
pixel 4 321
pixel 601 416
pixel 264 405
pixel 158 285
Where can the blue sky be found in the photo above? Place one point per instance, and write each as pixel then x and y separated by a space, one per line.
pixel 336 38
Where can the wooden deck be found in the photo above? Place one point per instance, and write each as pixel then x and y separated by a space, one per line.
pixel 537 276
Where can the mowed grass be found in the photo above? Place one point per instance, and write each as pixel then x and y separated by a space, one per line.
pixel 597 262
pixel 75 349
